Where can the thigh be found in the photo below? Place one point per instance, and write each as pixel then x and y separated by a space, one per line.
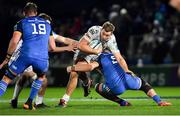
pixel 133 83
pixel 40 67
pixel 19 65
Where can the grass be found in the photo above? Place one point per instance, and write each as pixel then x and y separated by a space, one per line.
pixel 95 104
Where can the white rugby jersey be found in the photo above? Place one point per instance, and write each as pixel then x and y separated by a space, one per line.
pixel 95 42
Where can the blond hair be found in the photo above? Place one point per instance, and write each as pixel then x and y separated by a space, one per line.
pixel 108 27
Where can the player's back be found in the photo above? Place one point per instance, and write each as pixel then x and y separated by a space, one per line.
pixel 113 73
pixel 35 35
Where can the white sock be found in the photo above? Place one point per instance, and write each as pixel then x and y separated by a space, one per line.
pixel 66 97
pixel 39 100
pixel 17 91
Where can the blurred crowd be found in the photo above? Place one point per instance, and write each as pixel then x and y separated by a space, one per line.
pixel 147 31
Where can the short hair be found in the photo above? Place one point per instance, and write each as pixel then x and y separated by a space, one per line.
pixel 45 16
pixel 108 27
pixel 30 7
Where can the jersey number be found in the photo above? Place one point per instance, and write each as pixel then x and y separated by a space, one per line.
pixel 114 61
pixel 39 28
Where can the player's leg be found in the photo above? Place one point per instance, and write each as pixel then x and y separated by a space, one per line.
pixel 11 72
pixel 71 86
pixel 83 68
pixel 39 98
pixel 6 80
pixel 40 68
pixel 22 79
pixel 105 92
pixel 36 85
pixel 146 87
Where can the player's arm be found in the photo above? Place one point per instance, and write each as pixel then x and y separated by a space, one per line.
pixel 12 46
pixel 13 42
pixel 121 61
pixel 83 67
pixel 52 44
pixel 112 44
pixel 175 4
pixel 65 40
pixel 69 48
pixel 84 46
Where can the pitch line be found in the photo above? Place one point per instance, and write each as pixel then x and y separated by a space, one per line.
pixel 92 99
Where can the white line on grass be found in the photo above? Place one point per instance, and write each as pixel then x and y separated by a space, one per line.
pixel 75 99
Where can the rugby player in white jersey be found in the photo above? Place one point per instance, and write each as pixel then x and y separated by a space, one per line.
pixel 91 44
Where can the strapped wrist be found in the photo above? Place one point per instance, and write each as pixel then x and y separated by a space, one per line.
pixel 8 56
pixel 72 68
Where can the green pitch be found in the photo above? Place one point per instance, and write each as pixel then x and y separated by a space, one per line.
pixel 95 104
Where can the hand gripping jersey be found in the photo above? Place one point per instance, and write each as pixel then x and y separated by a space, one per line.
pixel 95 42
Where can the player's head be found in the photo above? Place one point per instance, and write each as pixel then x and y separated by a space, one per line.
pixel 107 30
pixel 30 9
pixel 46 17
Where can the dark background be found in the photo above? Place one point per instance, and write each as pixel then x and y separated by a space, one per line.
pixel 147 31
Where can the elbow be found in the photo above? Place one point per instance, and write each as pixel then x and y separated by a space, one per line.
pixel 52 49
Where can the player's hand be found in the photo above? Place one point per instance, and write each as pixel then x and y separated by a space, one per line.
pixel 98 51
pixel 131 73
pixel 4 63
pixel 71 48
pixel 75 44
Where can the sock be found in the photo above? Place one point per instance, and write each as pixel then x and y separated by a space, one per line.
pixel 122 102
pixel 17 91
pixel 66 97
pixel 3 87
pixel 39 100
pixel 156 98
pixel 36 85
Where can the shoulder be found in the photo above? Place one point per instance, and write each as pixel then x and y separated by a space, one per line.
pixel 94 30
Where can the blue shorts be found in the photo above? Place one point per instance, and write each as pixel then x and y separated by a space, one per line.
pixel 128 83
pixel 22 62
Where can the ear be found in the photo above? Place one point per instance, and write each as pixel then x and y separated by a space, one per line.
pixel 36 13
pixel 24 13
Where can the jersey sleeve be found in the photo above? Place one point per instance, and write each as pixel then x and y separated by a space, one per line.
pixel 112 45
pixel 92 33
pixel 18 26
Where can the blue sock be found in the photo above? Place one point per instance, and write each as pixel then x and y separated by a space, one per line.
pixel 36 85
pixel 156 98
pixel 123 103
pixel 3 86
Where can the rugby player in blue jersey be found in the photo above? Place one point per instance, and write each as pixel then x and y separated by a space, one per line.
pixel 36 35
pixel 117 81
pixel 29 74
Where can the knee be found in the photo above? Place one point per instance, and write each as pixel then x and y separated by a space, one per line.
pixel 98 87
pixel 146 87
pixel 45 81
pixel 73 75
pixel 9 74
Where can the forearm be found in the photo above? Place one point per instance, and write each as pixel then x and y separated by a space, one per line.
pixel 87 49
pixel 83 67
pixel 69 41
pixel 121 61
pixel 60 49
pixel 123 64
pixel 12 47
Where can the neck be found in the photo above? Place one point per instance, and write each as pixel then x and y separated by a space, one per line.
pixel 30 14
